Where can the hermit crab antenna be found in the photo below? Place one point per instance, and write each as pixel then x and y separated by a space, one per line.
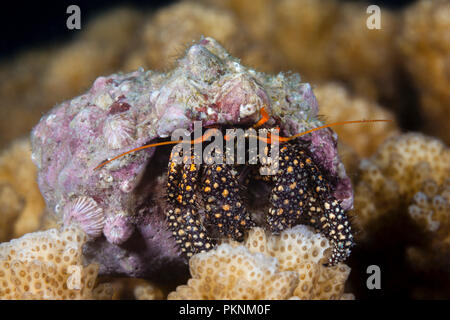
pixel 264 118
pixel 198 140
pixel 137 149
pixel 285 139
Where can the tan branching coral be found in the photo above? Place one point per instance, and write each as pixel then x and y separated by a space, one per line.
pixel 33 82
pixel 133 288
pixel 99 50
pixel 147 291
pixel 21 203
pixel 266 267
pixel 425 46
pixel 390 178
pixel 311 35
pixel 181 23
pixel 365 58
pixel 11 206
pixel 48 265
pixel 235 273
pixel 337 104
pixel 430 209
pixel 303 30
pixel 256 16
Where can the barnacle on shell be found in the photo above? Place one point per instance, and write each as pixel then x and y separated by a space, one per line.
pixel 85 212
pixel 119 131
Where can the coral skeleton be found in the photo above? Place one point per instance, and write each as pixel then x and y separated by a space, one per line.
pixel 287 266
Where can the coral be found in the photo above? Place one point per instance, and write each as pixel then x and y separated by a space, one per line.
pixel 11 206
pixel 391 177
pixel 147 291
pixel 425 48
pixel 302 31
pixel 34 81
pixel 48 265
pixel 96 51
pixel 207 85
pixel 401 212
pixel 131 288
pixel 367 61
pixel 256 16
pixel 181 23
pixel 266 267
pixel 310 35
pixel 22 102
pixel 337 104
pixel 245 276
pixel 430 208
pixel 21 204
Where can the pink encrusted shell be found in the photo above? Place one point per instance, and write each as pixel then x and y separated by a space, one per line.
pixel 119 130
pixel 117 229
pixel 85 212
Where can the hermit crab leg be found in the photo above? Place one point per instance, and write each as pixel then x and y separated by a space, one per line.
pixel 301 193
pixel 182 215
pixel 337 229
pixel 327 212
pixel 289 195
pixel 224 207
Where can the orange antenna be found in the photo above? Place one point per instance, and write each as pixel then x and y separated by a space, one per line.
pixel 265 117
pixel 137 149
pixel 198 140
pixel 285 139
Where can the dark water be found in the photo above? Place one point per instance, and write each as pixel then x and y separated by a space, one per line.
pixel 34 23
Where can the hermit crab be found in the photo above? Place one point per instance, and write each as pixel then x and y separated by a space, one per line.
pixel 214 194
pixel 141 209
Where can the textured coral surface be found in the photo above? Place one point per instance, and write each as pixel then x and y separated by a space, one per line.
pixel 402 191
pixel 337 104
pixel 288 266
pixel 392 176
pixel 48 265
pixel 427 60
pixel 21 204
